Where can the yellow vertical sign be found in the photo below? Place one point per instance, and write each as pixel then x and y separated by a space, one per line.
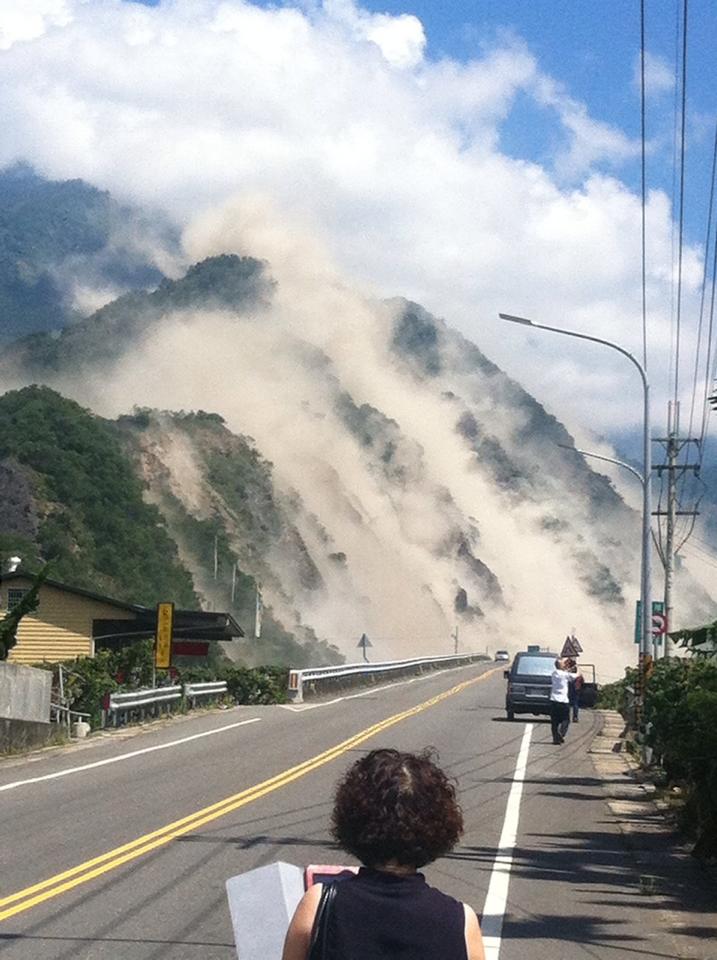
pixel 163 639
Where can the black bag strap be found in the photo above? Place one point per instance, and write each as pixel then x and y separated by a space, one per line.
pixel 319 931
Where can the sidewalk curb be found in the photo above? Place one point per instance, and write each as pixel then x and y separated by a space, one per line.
pixel 629 795
pixel 108 734
pixel 666 870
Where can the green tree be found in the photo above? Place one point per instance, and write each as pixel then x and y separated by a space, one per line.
pixel 681 716
pixel 94 525
pixel 11 621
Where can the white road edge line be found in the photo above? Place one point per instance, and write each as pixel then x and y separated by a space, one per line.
pixel 497 896
pixel 125 756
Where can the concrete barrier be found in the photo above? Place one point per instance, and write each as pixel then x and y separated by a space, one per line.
pixel 19 736
pixel 261 904
pixel 25 693
pixel 24 708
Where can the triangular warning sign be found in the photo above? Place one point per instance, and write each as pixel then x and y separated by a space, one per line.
pixel 571 648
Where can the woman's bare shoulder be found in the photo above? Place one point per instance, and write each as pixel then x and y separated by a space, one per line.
pixel 474 940
pixel 298 936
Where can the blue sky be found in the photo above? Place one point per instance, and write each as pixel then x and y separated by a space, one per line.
pixel 592 47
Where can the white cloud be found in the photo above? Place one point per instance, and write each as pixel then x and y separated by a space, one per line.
pixel 590 141
pixel 392 159
pixel 31 19
pixel 659 74
pixel 400 39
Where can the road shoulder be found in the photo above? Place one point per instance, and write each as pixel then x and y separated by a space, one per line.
pixel 681 890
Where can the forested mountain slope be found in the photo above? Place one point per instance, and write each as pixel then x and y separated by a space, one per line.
pixel 75 491
pixel 363 462
pixel 64 245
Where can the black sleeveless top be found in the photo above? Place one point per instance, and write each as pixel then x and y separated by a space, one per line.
pixel 378 915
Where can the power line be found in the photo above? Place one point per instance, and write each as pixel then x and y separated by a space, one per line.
pixel 682 481
pixel 705 274
pixel 660 544
pixel 705 549
pixel 680 235
pixel 707 546
pixel 709 348
pixel 692 521
pixel 673 193
pixel 642 174
pixel 709 370
pixel 699 555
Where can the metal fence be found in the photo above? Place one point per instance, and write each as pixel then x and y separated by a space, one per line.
pixel 62 715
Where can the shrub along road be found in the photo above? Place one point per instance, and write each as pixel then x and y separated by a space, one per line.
pixel 122 848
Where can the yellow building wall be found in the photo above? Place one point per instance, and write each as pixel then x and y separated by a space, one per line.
pixel 61 627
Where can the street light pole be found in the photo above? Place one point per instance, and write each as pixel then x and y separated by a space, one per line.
pixel 599 456
pixel 636 473
pixel 646 574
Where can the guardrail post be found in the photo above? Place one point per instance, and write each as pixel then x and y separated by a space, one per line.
pixel 296 686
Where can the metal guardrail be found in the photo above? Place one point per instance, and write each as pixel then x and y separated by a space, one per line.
pixel 211 689
pixel 307 680
pixel 300 682
pixel 143 698
pixel 118 703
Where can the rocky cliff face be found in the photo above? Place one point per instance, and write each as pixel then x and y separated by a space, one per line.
pixel 234 531
pixel 364 463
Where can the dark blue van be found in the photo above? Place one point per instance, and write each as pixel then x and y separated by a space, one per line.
pixel 529 684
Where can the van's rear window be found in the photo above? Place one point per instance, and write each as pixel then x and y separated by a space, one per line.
pixel 535 666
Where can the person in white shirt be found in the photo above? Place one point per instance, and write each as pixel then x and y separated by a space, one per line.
pixel 560 680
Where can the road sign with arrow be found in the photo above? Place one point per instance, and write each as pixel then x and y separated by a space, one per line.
pixel 364 643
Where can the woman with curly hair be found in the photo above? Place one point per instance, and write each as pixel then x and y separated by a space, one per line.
pixel 395 812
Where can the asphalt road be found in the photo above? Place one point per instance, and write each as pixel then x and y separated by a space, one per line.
pixel 90 868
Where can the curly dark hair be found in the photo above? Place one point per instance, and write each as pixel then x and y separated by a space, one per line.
pixel 396 807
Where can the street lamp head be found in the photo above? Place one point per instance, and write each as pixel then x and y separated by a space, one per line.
pixel 512 319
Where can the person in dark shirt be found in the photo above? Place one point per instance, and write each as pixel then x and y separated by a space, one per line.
pixel 575 688
pixel 395 812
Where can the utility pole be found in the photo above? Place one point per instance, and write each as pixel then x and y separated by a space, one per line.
pixel 673 428
pixel 645 637
pixel 673 446
pixel 258 611
pixel 454 635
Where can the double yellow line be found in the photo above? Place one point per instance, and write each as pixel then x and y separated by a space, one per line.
pixel 62 882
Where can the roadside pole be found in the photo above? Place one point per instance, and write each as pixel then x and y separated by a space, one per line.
pixel 646 569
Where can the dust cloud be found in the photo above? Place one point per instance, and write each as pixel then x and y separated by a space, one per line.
pixel 277 373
